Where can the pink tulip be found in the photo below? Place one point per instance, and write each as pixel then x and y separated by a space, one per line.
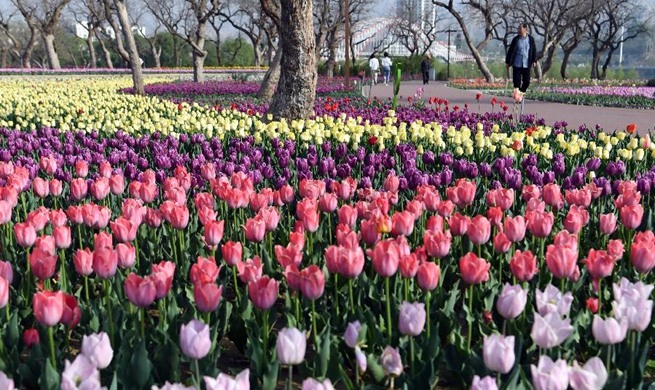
pixel 48 307
pixel 561 261
pixel 43 264
pixel 549 375
pixel 263 292
pixel 428 276
pixel 609 331
pixel 642 255
pixel 474 270
pixel 390 361
pixel 631 216
pixel 232 252
pixel 411 319
pixel 139 291
pixel 207 296
pixel 226 382
pixel 105 262
pixel 608 223
pixel 498 353
pixel 255 229
pixel 501 243
pixel 83 261
pixel 437 244
pixel 385 257
pixel 347 215
pixel 195 341
pixel 312 282
pixel 408 266
pixel 204 270
pixel 600 264
pixel 523 265
pixel 486 383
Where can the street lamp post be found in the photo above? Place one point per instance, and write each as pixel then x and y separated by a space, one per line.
pixel 448 67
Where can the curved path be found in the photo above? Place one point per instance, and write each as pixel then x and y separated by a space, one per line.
pixel 608 118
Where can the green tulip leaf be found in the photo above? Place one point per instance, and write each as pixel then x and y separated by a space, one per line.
pixel 375 368
pixel 140 366
pixel 50 378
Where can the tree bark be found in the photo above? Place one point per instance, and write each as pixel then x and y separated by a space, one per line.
pixel 176 52
pixel 106 53
pixel 565 63
pixel 199 53
pixel 297 85
pixel 198 68
pixel 92 49
pixel 134 60
pixel 271 78
pixel 51 52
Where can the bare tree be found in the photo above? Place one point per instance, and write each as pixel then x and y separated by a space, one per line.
pixel 571 42
pixel 297 86
pixel 453 9
pixel 155 48
pixel 604 31
pixel 45 16
pixel 272 9
pixel 192 17
pixel 246 16
pixel 89 15
pixel 13 45
pixel 217 24
pixel 416 31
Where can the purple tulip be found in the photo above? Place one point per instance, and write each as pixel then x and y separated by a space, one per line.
pixel 195 341
pixel 411 319
pixel 486 383
pixel 391 363
pixel 313 384
pixel 592 376
pixel 511 301
pixel 609 331
pixel 291 345
pixel 550 330
pixel 352 334
pixel 498 353
pixel 226 382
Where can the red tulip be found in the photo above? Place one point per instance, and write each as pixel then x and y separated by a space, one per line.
pixel 501 243
pixel 31 337
pixel 592 305
pixel 250 270
pixel 78 189
pixel 479 230
pixel 409 266
pixel 117 184
pixel 140 291
pixel 124 230
pixel 599 263
pixel 162 274
pixel 105 261
pixel 43 264
pixel 523 265
pixel 25 234
pixel 642 255
pixel 292 276
pixel 263 292
pixel 458 224
pixel 48 307
pixel 540 223
pixel 474 269
pixel 428 276
pixel 71 313
pixel 437 244
pixel 385 256
pixel 4 292
pixel 255 229
pixel 312 282
pixel 561 261
pixel 631 216
pixel 126 255
pixel 204 270
pixel 83 260
pixel 495 216
pixel 100 188
pixel 207 296
pixel 40 187
pixel 515 228
pixel 213 233
pixel 232 252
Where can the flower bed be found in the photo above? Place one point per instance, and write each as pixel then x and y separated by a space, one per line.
pixel 339 252
pixel 110 71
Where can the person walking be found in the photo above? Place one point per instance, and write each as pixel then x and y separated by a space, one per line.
pixel 374 65
pixel 386 68
pixel 425 69
pixel 521 56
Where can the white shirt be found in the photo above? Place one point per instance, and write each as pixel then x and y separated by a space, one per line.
pixel 374 64
pixel 386 62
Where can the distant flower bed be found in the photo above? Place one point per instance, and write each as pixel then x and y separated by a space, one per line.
pixel 66 71
pixel 606 96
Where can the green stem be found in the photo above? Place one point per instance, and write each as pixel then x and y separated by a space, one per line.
pixel 142 323
pixel 386 283
pixel 352 298
pixel 236 286
pixel 266 329
pixel 51 337
pixel 407 290
pixel 609 360
pixel 411 355
pixel 315 330
pixel 62 271
pixel 296 302
pixel 427 308
pixel 86 290
pixel 79 235
pixel 562 285
pixel 336 293
pixel 290 379
pixel 470 316
pixel 136 248
pixel 180 234
pixel 198 386
pixel 330 227
pixel 109 312
pixel 600 296
pixel 208 317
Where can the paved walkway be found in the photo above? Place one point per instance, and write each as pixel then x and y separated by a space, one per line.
pixel 608 118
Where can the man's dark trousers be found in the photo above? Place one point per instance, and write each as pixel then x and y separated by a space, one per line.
pixel 521 77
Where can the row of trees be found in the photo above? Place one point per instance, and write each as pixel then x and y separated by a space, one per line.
pixel 564 25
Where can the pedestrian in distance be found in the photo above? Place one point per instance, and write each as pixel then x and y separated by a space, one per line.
pixel 374 65
pixel 425 69
pixel 386 68
pixel 521 56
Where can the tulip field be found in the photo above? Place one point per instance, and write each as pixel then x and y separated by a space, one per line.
pixel 183 240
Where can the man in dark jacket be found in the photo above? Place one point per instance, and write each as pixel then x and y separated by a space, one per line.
pixel 521 56
pixel 425 69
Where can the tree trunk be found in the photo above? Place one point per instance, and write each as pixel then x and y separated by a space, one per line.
pixel 106 53
pixel 565 63
pixel 4 57
pixel 271 77
pixel 198 67
pixel 549 60
pixel 297 86
pixel 51 52
pixel 176 52
pixel 258 55
pixel 606 64
pixel 156 54
pixel 594 65
pixel 135 62
pixel 92 49
pixel 199 55
pixel 29 49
